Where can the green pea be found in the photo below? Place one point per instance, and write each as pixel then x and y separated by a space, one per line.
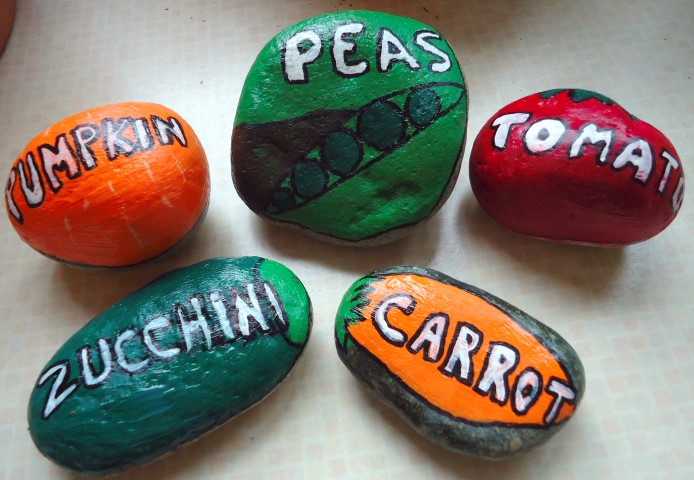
pixel 341 152
pixel 283 199
pixel 309 179
pixel 423 106
pixel 381 125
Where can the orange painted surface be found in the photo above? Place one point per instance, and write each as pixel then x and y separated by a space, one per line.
pixel 118 211
pixel 424 378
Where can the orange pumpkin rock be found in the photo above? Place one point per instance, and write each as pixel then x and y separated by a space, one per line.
pixel 112 186
pixel 464 368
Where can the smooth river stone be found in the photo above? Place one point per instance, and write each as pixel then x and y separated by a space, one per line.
pixel 168 363
pixel 351 127
pixel 573 166
pixel 464 368
pixel 112 186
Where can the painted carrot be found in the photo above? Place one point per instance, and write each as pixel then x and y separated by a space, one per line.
pixel 466 369
pixel 112 186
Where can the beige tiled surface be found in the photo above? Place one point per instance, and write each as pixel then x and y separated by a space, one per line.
pixel 629 312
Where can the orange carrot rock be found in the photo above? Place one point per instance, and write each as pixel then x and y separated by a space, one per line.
pixel 112 186
pixel 464 368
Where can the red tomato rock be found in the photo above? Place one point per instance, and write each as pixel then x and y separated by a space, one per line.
pixel 573 166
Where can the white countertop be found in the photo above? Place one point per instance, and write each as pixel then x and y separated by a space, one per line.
pixel 628 312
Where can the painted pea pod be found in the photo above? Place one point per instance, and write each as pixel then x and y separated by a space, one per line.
pixel 168 363
pixel 571 165
pixel 464 368
pixel 112 186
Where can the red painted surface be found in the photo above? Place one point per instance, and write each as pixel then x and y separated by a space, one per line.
pixel 581 197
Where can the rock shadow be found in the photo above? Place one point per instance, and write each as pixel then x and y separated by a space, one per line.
pixel 96 289
pixel 587 270
pixel 455 464
pixel 418 247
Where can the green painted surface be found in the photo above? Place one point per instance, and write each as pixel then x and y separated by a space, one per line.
pixel 350 309
pixel 388 140
pixel 489 441
pixel 578 95
pixel 341 152
pixel 132 418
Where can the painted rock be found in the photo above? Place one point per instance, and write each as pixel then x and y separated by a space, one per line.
pixel 574 166
pixel 351 126
pixel 168 363
pixel 8 8
pixel 110 187
pixel 464 368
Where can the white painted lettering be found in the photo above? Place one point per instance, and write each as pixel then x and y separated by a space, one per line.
pixel 403 302
pixel 143 135
pixel 190 327
pixel 441 66
pixel 133 350
pixel 220 308
pixel 669 166
pixel 121 359
pixel 296 56
pixel 391 49
pixel 343 46
pixel 59 158
pixel 276 305
pixel 637 153
pixel 678 195
pixel 246 312
pixel 562 393
pixel 590 133
pixel 167 130
pixel 500 362
pixel 33 189
pixel 466 342
pixel 158 323
pixel 60 390
pixel 431 337
pixel 92 380
pixel 503 127
pixel 84 136
pixel 527 391
pixel 12 207
pixel 114 141
pixel 544 135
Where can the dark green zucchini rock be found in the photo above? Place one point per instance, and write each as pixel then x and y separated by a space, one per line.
pixel 168 363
